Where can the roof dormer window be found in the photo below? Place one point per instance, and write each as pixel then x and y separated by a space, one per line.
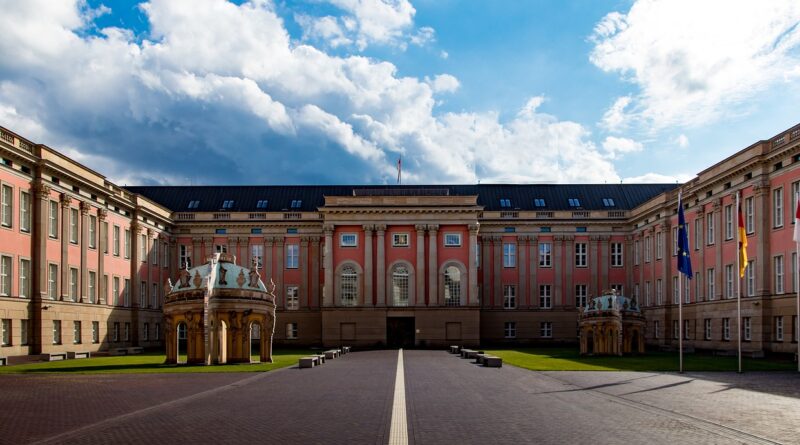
pixel 193 204
pixel 608 202
pixel 538 202
pixel 574 202
pixel 228 204
pixel 505 203
pixel 297 203
pixel 262 204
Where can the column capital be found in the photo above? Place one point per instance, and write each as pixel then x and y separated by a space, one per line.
pixel 65 200
pixel 328 228
pixel 368 228
pixel 420 228
pixel 150 233
pixel 761 187
pixel 433 228
pixel 280 240
pixel 380 228
pixel 473 228
pixel 314 240
pixel 102 214
pixel 41 190
pixel 84 207
pixel 495 238
pixel 304 240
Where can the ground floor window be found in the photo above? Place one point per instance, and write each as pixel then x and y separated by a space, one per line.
pixel 56 332
pixel 127 331
pixel 146 332
pixel 95 332
pixel 657 329
pixel 546 329
pixel 157 333
pixel 707 329
pixel 778 328
pixel 115 332
pixel 746 328
pixel 24 325
pixel 510 329
pixel 675 329
pixel 291 330
pixel 726 328
pixel 6 328
pixel 292 300
pixel 76 332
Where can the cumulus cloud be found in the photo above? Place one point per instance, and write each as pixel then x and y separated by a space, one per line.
pixel 658 178
pixel 195 100
pixel 695 62
pixel 682 141
pixel 615 119
pixel 616 147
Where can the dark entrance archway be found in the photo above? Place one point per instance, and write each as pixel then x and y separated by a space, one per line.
pixel 400 332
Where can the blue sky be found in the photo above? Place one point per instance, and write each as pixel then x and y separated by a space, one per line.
pixel 334 91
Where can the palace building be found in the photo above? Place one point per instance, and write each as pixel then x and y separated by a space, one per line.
pixel 84 263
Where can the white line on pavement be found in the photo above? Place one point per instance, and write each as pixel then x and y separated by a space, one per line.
pixel 398 432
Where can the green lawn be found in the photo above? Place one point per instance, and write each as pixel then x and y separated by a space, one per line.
pixel 568 359
pixel 149 363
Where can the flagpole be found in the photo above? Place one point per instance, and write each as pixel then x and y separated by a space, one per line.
pixel 738 288
pixel 680 301
pixel 797 284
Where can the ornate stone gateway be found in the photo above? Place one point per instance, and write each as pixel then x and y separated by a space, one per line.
pixel 611 325
pixel 219 313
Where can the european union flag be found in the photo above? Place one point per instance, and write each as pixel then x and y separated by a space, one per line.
pixel 684 261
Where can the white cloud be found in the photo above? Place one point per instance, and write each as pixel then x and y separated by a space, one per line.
pixel 695 62
pixel 616 147
pixel 424 35
pixel 323 28
pixel 252 106
pixel 657 178
pixel 615 119
pixel 682 141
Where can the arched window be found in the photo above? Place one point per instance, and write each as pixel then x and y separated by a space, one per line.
pixel 452 286
pixel 400 286
pixel 349 283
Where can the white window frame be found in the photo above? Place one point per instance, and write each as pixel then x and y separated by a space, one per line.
pixel 726 329
pixel 126 333
pixel 777 208
pixel 291 331
pixel 24 278
pixel 348 283
pixel 778 274
pixel 115 240
pixel 400 240
pixel 292 256
pixel 581 295
pixel 52 281
pixel 545 255
pixel 76 332
pixel 292 298
pixel 24 211
pixel 749 215
pixel 657 329
pixel 73 284
pixel 56 332
pixel 729 281
pixel 5 325
pixel 509 296
pixel 184 256
pixel 616 254
pixel 707 329
pixel 510 329
pixel 92 286
pixel 546 329
pixel 400 286
pixel 636 252
pixel 127 243
pixel 452 239
pixel 659 245
pixel 648 249
pixel 257 254
pixel 746 329
pixel 92 232
pixel 545 296
pixel 779 328
pixel 729 222
pixel 581 254
pixel 750 278
pixel 711 284
pixel 52 226
pixel 709 229
pixel 7 211
pixel 73 226
pixel 698 229
pixel 348 239
pixel 509 255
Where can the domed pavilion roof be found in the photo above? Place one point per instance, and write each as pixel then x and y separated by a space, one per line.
pixel 220 272
pixel 610 301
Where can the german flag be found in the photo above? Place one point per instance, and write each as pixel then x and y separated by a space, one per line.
pixel 742 241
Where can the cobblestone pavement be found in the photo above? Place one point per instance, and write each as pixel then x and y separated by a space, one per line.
pixel 449 400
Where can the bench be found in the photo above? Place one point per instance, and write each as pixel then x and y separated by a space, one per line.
pixel 469 353
pixel 85 354
pixel 332 353
pixel 321 358
pixel 455 349
pixel 309 362
pixel 55 356
pixel 135 350
pixel 345 349
pixel 490 361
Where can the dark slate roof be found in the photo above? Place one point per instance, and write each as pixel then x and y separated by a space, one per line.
pixel 280 197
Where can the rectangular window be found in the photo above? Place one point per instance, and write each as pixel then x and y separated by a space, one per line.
pixel 546 329
pixel 91 285
pixel 25 211
pixel 126 293
pixel 452 239
pixel 675 290
pixel 659 245
pixel 686 329
pixel 545 299
pixel 647 249
pixel 291 331
pixel 618 288
pixel 648 295
pixel 657 329
pixel 146 332
pixel 7 206
pixel 580 254
pixel 659 292
pixel 510 329
pixel 545 254
pixel 104 289
pixel 348 240
pixel 292 298
pixel 675 329
pixel 636 292
pixel 73 284
pixel 104 235
pixel 616 254
pixel 636 252
pixel 509 255
pixel 56 332
pixel 777 207
pixel 292 256
pixel 24 278
pixel 127 332
pixel 52 226
pixel 749 216
pixel 52 281
pixel 687 290
pixel 154 252
pixel 24 328
pixel 115 241
pixel 726 329
pixel 127 243
pixel 710 284
pixel 115 290
pixel 778 328
pixel 729 281
pixel 184 256
pixel 746 328
pixel 778 272
pixel 6 327
pixel 143 294
pixel 698 229
pixel 707 329
pixel 257 255
pixel 400 240
pixel 92 232
pixel 709 229
pixel 76 332
pixel 143 248
pixel 728 222
pixel 115 332
pixel 580 295
pixel 750 278
pixel 157 332
pixel 154 296
pixel 95 332
pixel 73 226
pixel 5 276
pixel 794 274
pixel 509 297
pixel 675 241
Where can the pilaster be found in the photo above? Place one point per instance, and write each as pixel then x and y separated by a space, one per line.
pixel 420 294
pixel 380 275
pixel 433 267
pixel 368 271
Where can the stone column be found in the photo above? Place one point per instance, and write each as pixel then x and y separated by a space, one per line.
pixel 280 294
pixel 197 251
pixel 604 260
pixel 327 286
pixel 533 264
pixel 269 273
pixel 700 273
pixel 173 258
pixel 557 254
pixel 304 301
pixel 41 208
pixel 381 266
pixel 763 222
pixel 522 267
pixel 420 294
pixel 313 299
pixel 433 267
pixel 594 266
pixel 84 244
pixel 497 260
pixel 102 246
pixel 628 262
pixel 368 272
pixel 65 222
pixel 561 292
pixel 473 264
pixel 136 240
pixel 486 256
pixel 718 229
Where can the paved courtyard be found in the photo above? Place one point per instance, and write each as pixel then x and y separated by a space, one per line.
pixel 448 400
